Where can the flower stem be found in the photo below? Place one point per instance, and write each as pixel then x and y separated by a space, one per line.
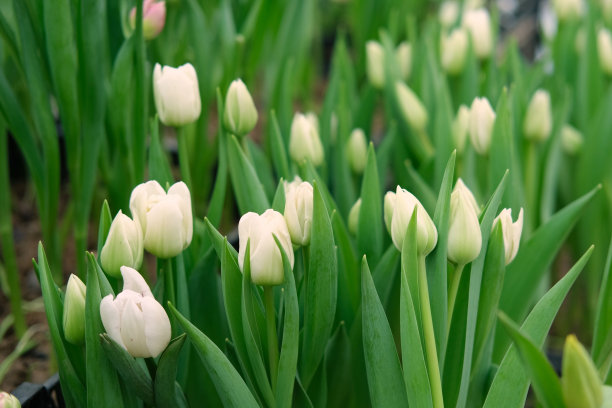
pixel 169 291
pixel 272 335
pixel 183 151
pixel 452 294
pixel 430 340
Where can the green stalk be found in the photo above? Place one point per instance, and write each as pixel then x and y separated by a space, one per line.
pixel 272 335
pixel 430 340
pixel 531 185
pixel 452 294
pixel 183 152
pixel 140 90
pixel 169 294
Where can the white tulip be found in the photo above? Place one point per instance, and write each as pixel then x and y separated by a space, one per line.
pixel 177 97
pixel 265 256
pixel 375 68
pixel 464 237
pixel 448 13
pixel 478 24
pixel 9 400
pixel 357 151
pixel 571 140
pixel 604 50
pixel 304 141
pixel 538 119
pixel 405 205
pixel 568 9
pixel 134 319
pixel 298 213
pixel 482 120
pixel 73 318
pixel 511 232
pixel 166 219
pixel 403 56
pixel 353 217
pixel 411 107
pixel 453 51
pixel 123 246
pixel 389 207
pixel 460 128
pixel 240 116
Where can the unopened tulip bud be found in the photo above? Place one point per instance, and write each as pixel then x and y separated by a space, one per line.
pixel 411 107
pixel 74 311
pixel 353 217
pixel 134 319
pixel 298 212
pixel 571 140
pixel 453 51
pixel 265 256
pixel 405 205
pixel 177 97
pixel 166 219
pixel 464 237
pixel 604 50
pixel 448 13
pixel 478 24
pixel 511 232
pixel 240 115
pixel 538 120
pixel 304 141
pixel 460 128
pixel 153 18
pixel 568 9
pixel 314 121
pixel 9 400
pixel 357 151
pixel 403 56
pixel 123 246
pixel 582 387
pixel 482 119
pixel 375 68
pixel 389 207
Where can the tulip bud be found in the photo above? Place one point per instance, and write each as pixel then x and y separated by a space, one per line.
pixel 582 387
pixel 453 51
pixel 177 97
pixel 411 107
pixel 464 237
pixel 134 319
pixel 314 120
pixel 482 119
pixel 448 13
pixel 9 400
pixel 606 9
pixel 298 213
pixel 538 120
pixel 403 56
pixel 74 311
pixel 604 50
pixel 166 219
pixel 153 18
pixel 304 142
pixel 240 115
pixel 357 151
pixel 571 140
pixel 123 246
pixel 353 217
pixel 405 205
pixel 375 56
pixel 460 128
pixel 511 232
pixel 478 24
pixel 266 258
pixel 389 207
pixel 568 9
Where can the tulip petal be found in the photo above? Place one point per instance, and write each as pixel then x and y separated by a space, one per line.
pixel 157 329
pixel 180 190
pixel 132 327
pixel 111 319
pixel 248 222
pixel 164 235
pixel 133 281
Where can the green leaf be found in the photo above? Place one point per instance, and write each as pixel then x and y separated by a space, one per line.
pixel 250 194
pixel 321 289
pixel 278 203
pixel 219 242
pixel 278 150
pixel 385 380
pixel 349 279
pixel 385 274
pixel 603 318
pixel 159 168
pixel 230 386
pixel 510 384
pixel 339 368
pixel 370 227
pixel 217 200
pixel 545 382
pixel 165 386
pixel 106 220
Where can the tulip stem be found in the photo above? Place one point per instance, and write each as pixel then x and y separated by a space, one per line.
pixel 452 294
pixel 272 335
pixel 169 293
pixel 183 152
pixel 429 336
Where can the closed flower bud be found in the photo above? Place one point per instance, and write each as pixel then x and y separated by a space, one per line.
pixel 482 119
pixel 240 115
pixel 9 401
pixel 405 205
pixel 153 18
pixel 568 9
pixel 478 24
pixel 353 217
pixel 582 387
pixel 403 56
pixel 571 140
pixel 538 120
pixel 298 212
pixel 166 219
pixel 134 319
pixel 304 142
pixel 123 246
pixel 511 232
pixel 453 51
pixel 74 311
pixel 389 207
pixel 464 237
pixel 357 151
pixel 375 57
pixel 265 256
pixel 411 107
pixel 448 13
pixel 460 128
pixel 177 97
pixel 604 50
